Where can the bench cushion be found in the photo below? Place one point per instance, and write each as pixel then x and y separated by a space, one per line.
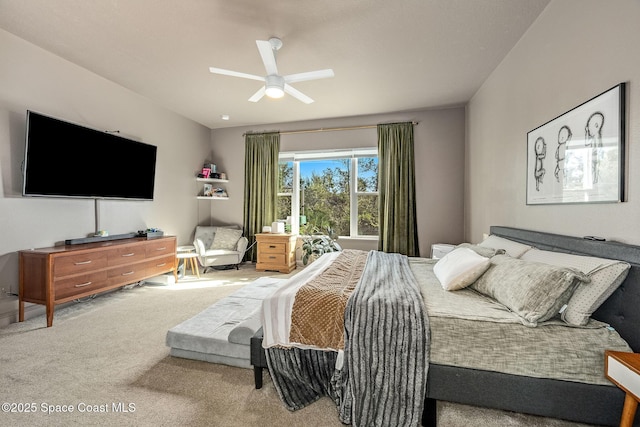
pixel 205 336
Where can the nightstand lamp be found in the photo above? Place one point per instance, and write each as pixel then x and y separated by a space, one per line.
pixel 623 369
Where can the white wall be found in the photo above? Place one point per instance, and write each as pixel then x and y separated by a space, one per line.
pixel 575 50
pixel 31 78
pixel 439 153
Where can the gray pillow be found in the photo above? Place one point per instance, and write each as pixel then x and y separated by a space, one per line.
pixel 606 276
pixel 226 238
pixel 532 290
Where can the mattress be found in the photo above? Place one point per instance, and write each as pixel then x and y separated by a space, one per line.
pixel 469 330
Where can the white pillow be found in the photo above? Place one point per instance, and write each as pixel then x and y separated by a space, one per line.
pixel 512 248
pixel 606 276
pixel 460 268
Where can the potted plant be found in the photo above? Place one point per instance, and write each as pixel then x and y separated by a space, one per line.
pixel 316 243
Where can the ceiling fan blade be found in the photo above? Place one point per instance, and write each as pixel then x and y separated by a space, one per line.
pixel 311 75
pixel 268 56
pixel 235 74
pixel 297 94
pixel 258 95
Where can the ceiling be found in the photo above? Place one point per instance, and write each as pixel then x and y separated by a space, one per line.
pixel 388 56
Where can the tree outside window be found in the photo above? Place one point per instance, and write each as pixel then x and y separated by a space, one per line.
pixel 338 196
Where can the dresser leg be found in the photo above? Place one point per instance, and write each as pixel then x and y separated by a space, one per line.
pixel 628 411
pixel 49 314
pixel 21 311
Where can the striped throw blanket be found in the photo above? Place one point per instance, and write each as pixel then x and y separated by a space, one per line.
pixel 381 378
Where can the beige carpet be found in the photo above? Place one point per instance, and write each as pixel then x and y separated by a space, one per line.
pixel 105 359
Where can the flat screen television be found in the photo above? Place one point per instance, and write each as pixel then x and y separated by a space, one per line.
pixel 63 159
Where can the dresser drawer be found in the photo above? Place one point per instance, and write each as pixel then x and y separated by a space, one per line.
pixel 272 248
pixel 162 247
pixel 91 283
pixel 126 274
pixel 78 263
pixel 126 255
pixel 160 265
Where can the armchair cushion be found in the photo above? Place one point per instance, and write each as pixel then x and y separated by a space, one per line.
pixel 226 238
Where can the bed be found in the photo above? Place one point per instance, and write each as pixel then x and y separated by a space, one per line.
pixel 575 390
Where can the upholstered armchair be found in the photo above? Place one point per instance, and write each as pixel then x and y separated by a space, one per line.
pixel 219 245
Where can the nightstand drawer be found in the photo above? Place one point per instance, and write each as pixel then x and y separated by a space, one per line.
pixel 623 375
pixel 266 258
pixel 271 248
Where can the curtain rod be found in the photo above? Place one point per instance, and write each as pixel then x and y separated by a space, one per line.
pixel 291 132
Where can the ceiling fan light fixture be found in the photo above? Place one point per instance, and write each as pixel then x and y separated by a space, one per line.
pixel 274 86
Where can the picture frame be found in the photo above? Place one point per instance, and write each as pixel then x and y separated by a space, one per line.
pixel 579 157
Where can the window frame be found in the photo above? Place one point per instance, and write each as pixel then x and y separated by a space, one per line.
pixel 353 155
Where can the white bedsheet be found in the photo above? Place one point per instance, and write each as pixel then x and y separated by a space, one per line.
pixel 277 308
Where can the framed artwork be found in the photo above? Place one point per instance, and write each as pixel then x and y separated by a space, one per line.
pixel 578 157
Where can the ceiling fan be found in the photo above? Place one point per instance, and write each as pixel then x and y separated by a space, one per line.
pixel 276 85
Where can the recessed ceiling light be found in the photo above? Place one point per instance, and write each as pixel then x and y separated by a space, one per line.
pixel 224 117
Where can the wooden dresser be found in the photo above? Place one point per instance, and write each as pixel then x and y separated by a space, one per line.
pixel 51 276
pixel 276 252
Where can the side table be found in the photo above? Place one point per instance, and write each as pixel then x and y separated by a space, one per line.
pixel 188 254
pixel 623 369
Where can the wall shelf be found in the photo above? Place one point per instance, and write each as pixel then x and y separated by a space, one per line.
pixel 212 198
pixel 212 180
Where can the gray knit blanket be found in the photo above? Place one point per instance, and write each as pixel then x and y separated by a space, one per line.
pixel 382 378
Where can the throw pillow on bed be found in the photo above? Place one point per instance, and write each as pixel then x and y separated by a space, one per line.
pixel 460 268
pixel 512 248
pixel 606 276
pixel 482 250
pixel 534 291
pixel 226 238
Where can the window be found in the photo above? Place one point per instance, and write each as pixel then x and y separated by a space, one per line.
pixel 335 191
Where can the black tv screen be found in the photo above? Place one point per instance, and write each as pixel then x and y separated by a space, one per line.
pixel 63 159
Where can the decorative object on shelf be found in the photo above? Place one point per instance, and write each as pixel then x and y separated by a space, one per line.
pixel 208 190
pixel 578 157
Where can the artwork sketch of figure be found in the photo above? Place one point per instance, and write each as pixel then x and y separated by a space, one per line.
pixel 593 139
pixel 564 136
pixel 541 152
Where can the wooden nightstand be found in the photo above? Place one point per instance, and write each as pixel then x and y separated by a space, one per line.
pixel 276 252
pixel 623 369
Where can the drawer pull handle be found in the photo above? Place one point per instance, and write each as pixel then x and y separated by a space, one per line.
pixel 82 285
pixel 272 257
pixel 82 262
pixel 130 254
pixel 161 265
pixel 161 249
pixel 272 246
pixel 128 273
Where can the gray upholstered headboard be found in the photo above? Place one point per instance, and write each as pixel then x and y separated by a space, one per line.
pixel 622 309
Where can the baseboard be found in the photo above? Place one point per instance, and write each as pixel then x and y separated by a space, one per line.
pixel 9 311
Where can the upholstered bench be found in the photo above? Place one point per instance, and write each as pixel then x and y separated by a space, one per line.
pixel 222 332
pixel 258 357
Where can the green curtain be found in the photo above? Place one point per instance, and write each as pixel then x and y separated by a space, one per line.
pixel 260 185
pixel 396 188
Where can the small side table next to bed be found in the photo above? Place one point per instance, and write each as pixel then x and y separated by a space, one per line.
pixel 623 369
